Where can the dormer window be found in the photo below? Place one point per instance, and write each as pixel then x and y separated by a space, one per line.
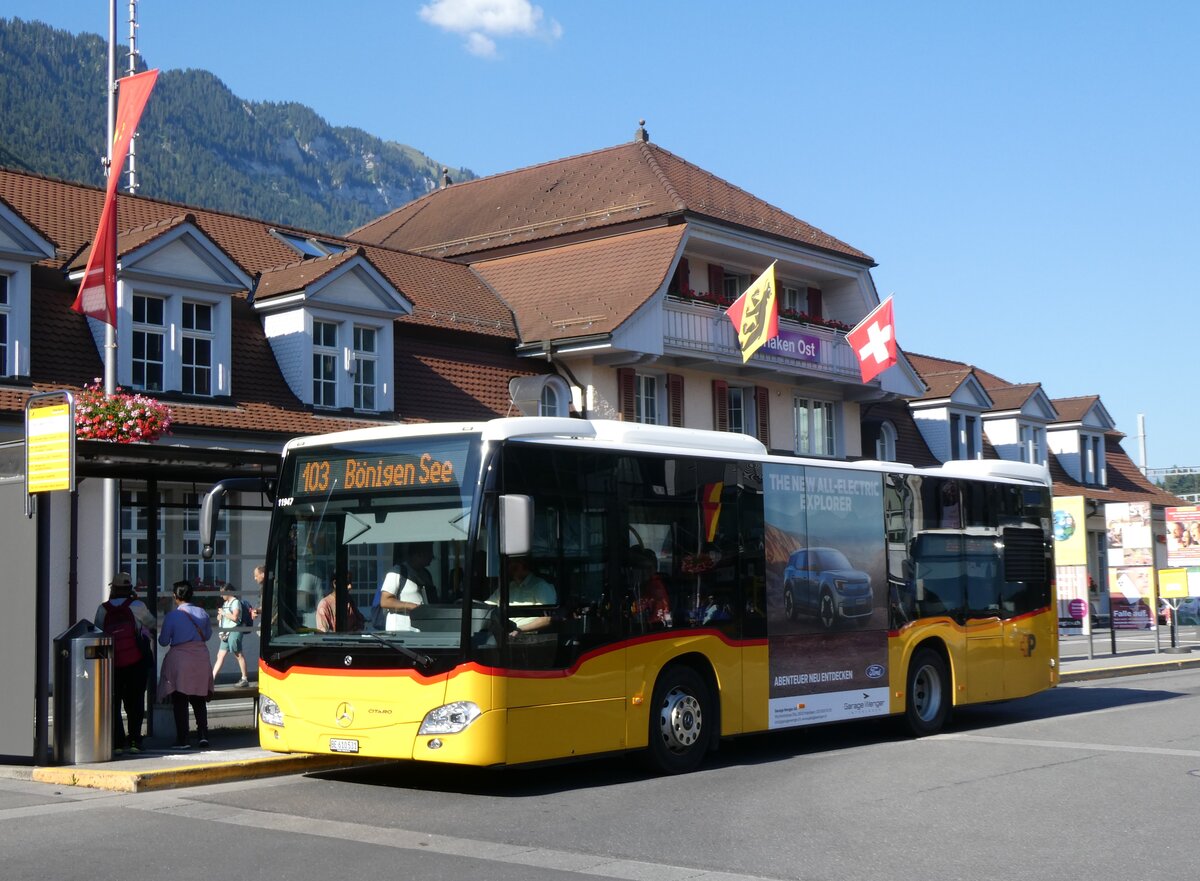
pixel 349 356
pixel 197 348
pixel 964 436
pixel 324 361
pixel 149 343
pixel 364 368
pixel 1092 448
pixel 5 309
pixel 1033 443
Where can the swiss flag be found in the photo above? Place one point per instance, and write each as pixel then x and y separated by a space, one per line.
pixel 874 341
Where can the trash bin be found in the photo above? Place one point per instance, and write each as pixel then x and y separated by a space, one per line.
pixel 83 706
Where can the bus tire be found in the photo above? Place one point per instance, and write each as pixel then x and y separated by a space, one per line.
pixel 927 695
pixel 681 720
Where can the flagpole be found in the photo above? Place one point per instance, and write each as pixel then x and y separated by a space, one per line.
pixel 110 497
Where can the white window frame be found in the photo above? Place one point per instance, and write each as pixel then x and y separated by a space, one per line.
pixel 365 367
pixel 6 324
pixel 346 360
pixel 147 331
pixel 173 298
pixel 1033 443
pixel 647 399
pixel 885 444
pixel 964 436
pixel 807 427
pixel 196 335
pixel 328 354
pixel 1091 459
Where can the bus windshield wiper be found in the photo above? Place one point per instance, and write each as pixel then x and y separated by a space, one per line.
pixel 287 653
pixel 416 657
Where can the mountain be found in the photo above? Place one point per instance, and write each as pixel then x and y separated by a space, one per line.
pixel 198 143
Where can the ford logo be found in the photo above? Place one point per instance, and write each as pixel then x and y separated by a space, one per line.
pixel 875 671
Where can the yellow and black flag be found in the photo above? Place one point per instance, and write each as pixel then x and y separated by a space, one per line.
pixel 755 314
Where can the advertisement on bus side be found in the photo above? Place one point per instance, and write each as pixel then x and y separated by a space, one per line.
pixel 826 594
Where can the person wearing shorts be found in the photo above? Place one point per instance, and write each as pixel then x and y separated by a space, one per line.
pixel 231 637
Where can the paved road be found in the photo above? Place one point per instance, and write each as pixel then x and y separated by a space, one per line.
pixel 1094 780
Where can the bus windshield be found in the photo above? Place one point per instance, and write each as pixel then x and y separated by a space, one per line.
pixel 356 522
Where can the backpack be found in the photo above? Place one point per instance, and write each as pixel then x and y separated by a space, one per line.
pixel 120 623
pixel 246 615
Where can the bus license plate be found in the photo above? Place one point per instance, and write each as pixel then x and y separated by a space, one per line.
pixel 342 745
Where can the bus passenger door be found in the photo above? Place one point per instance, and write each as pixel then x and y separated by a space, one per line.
pixel 985 659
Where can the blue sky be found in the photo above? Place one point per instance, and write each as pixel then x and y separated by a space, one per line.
pixel 1024 173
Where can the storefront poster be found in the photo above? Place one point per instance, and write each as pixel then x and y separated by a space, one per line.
pixel 1070 531
pixel 1073 613
pixel 1183 536
pixel 826 594
pixel 1130 565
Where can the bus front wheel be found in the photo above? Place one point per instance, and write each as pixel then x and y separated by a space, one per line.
pixel 927 698
pixel 681 721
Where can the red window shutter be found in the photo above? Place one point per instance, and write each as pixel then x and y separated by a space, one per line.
pixel 720 405
pixel 716 280
pixel 626 394
pixel 814 303
pixel 762 413
pixel 685 277
pixel 675 400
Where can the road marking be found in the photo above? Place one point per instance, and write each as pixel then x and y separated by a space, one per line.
pixel 175 804
pixel 1058 744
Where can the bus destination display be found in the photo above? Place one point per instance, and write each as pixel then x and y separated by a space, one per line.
pixel 422 470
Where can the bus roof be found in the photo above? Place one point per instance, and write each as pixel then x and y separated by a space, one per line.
pixel 684 441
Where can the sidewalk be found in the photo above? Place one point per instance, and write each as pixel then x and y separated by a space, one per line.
pixel 234 753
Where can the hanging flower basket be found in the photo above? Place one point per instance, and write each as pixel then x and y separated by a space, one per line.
pixel 119 418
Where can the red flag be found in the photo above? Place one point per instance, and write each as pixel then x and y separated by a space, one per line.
pixel 97 296
pixel 874 341
pixel 98 292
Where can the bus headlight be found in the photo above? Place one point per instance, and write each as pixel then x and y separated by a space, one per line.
pixel 269 712
pixel 449 719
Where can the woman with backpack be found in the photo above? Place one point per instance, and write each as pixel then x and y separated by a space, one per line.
pixel 126 618
pixel 232 614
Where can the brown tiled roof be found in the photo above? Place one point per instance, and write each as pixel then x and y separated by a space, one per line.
pixel 1012 397
pixel 583 289
pixel 632 182
pixel 432 377
pixel 300 274
pixel 1074 409
pixel 444 294
pixel 932 366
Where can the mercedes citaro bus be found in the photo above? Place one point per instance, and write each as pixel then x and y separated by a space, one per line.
pixel 571 587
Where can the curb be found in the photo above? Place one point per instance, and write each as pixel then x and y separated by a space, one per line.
pixel 1092 673
pixel 149 780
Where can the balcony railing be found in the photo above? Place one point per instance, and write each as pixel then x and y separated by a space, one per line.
pixel 701 330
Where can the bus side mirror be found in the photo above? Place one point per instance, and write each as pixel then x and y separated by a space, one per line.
pixel 516 525
pixel 210 508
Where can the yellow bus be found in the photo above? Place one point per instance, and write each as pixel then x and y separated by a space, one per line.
pixel 534 589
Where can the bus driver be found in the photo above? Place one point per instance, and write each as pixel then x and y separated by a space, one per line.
pixel 526 588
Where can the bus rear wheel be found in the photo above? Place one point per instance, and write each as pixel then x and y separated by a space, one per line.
pixel 927 697
pixel 681 721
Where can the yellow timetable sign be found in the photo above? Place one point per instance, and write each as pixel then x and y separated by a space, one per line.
pixel 49 431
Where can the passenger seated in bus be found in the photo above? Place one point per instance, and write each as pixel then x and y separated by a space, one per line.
pixel 526 588
pixel 339 597
pixel 653 602
pixel 398 595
